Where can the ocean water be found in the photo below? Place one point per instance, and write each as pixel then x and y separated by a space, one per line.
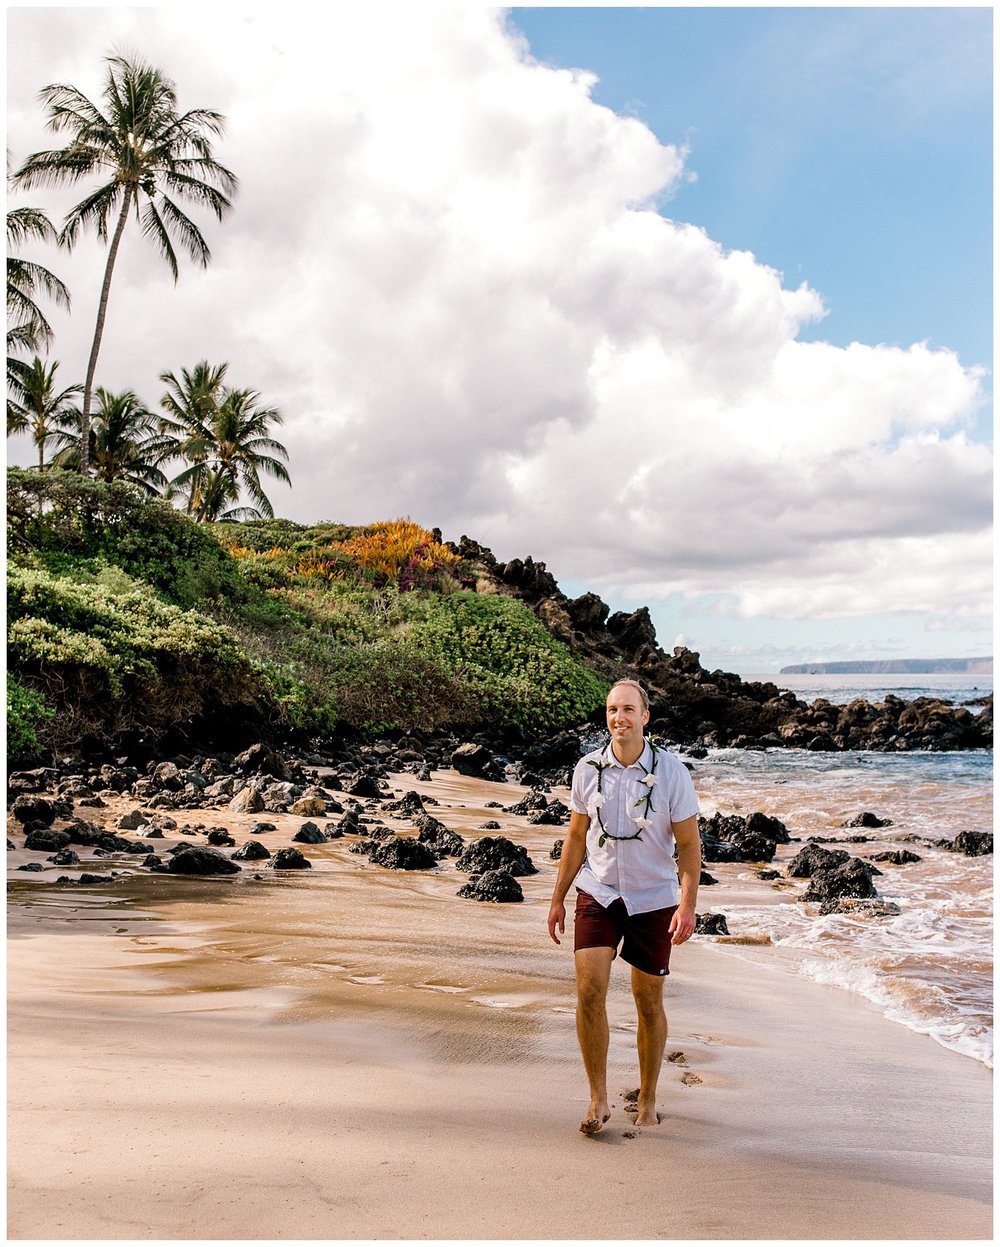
pixel 931 967
pixel 841 689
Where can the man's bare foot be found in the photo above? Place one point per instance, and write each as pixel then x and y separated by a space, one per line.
pixel 647 1115
pixel 597 1115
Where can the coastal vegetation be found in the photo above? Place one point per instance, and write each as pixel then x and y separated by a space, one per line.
pixel 128 617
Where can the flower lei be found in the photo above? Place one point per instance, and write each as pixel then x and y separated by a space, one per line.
pixel 641 820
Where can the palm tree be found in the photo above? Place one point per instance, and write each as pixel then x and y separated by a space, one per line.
pixel 125 442
pixel 150 152
pixel 27 328
pixel 40 409
pixel 225 436
pixel 190 403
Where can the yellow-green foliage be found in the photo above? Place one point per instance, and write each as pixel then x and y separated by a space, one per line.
pixel 124 652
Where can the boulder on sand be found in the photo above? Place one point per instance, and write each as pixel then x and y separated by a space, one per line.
pixel 497 886
pixel 199 859
pixel 496 853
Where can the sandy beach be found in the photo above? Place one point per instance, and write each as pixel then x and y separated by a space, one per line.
pixel 357 1053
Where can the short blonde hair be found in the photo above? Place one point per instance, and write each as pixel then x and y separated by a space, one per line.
pixel 632 684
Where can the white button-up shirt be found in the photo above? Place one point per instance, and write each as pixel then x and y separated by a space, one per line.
pixel 642 871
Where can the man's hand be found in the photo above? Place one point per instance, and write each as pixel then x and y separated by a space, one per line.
pixel 682 924
pixel 557 919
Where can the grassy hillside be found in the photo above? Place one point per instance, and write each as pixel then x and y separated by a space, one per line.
pixel 126 617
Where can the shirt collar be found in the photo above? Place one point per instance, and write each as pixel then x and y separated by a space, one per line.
pixel 645 758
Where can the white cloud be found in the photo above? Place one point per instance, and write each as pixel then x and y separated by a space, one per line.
pixel 451 271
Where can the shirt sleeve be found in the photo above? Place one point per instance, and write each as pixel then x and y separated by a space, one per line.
pixel 578 793
pixel 682 799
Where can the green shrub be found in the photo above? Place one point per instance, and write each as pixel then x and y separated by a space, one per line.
pixel 510 661
pixel 27 711
pixel 123 658
pixel 58 516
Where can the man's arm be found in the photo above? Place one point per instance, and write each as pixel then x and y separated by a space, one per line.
pixel 574 850
pixel 689 871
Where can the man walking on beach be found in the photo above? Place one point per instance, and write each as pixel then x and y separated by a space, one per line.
pixel 632 806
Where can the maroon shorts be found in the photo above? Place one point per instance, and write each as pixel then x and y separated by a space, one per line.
pixel 645 938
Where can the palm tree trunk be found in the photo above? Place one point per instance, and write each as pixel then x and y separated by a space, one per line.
pixel 102 312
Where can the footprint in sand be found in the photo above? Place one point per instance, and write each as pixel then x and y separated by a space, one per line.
pixel 677 1058
pixel 690 1079
pixel 630 1104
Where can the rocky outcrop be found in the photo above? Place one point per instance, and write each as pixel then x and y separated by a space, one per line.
pixel 692 706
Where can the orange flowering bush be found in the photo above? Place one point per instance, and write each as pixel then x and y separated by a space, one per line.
pixel 392 550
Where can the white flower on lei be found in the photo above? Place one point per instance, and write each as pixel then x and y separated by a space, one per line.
pixel 649 778
pixel 640 822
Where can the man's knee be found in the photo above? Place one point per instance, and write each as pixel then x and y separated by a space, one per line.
pixel 647 992
pixel 593 973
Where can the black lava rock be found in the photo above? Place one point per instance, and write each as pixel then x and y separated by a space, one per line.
pixel 896 857
pixel 850 878
pixel 972 843
pixel 31 809
pixel 252 851
pixel 496 853
pixel 497 886
pixel 442 840
pixel 290 859
pixel 812 859
pixel 200 859
pixel 869 820
pixel 477 761
pixel 711 924
pixel 47 841
pixel 405 853
pixel 309 833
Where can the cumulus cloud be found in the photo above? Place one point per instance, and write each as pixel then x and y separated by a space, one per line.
pixel 457 276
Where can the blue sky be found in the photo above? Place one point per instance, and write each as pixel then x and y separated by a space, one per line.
pixel 691 304
pixel 848 147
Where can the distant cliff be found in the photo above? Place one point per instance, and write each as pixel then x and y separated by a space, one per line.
pixel 892 666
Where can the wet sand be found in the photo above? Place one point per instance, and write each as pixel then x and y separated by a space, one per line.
pixel 356 1053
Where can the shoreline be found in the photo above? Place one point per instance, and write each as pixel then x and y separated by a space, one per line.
pixel 357 1053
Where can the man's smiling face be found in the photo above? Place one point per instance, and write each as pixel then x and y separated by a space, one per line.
pixel 626 715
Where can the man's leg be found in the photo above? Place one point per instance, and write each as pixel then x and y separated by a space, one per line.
pixel 593 973
pixel 647 989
